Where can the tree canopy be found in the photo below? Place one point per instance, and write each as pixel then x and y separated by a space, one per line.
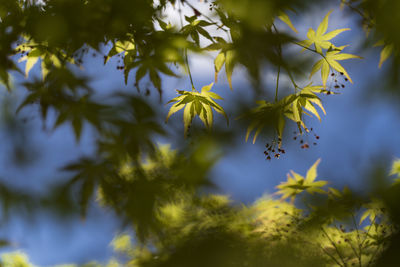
pixel 152 170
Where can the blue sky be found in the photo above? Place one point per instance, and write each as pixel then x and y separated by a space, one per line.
pixel 355 134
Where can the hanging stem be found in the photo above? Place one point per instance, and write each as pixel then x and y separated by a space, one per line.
pixel 279 66
pixel 188 68
pixel 286 68
pixel 277 84
pixel 185 50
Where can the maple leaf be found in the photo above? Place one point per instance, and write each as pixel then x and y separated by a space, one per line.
pixel 35 51
pixel 285 18
pixel 386 51
pixel 329 61
pixel 320 38
pixel 296 183
pixel 196 103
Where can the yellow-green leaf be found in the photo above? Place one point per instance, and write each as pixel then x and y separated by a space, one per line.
pixel 187 117
pixel 229 65
pixel 218 63
pixel 385 53
pixel 30 62
pixel 285 18
pixel 319 38
pixel 174 108
pixel 324 72
pixel 312 172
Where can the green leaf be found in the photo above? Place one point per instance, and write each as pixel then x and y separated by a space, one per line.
pixel 395 168
pixel 187 117
pixel 297 184
pixel 281 125
pixel 206 89
pixel 385 53
pixel 218 63
pixel 174 108
pixel 312 172
pixel 195 103
pixel 319 38
pixel 285 18
pixel 30 62
pixel 331 61
pixel 229 65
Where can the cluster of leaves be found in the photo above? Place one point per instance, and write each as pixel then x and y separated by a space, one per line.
pixel 210 230
pixel 196 103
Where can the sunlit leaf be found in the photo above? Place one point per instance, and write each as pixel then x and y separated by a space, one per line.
pixel 197 103
pixel 285 18
pixel 320 38
pixel 296 184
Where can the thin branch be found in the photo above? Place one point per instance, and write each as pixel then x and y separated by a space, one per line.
pixel 330 255
pixel 358 238
pixel 284 65
pixel 334 245
pixel 373 255
pixel 204 15
pixel 369 229
pixel 363 16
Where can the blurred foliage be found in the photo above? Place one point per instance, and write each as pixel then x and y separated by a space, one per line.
pixel 208 230
pixel 163 193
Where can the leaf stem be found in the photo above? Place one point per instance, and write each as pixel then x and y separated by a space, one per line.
pixel 188 68
pixel 312 50
pixel 284 65
pixel 334 245
pixel 185 50
pixel 277 84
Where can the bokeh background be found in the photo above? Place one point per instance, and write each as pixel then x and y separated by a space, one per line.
pixel 359 131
